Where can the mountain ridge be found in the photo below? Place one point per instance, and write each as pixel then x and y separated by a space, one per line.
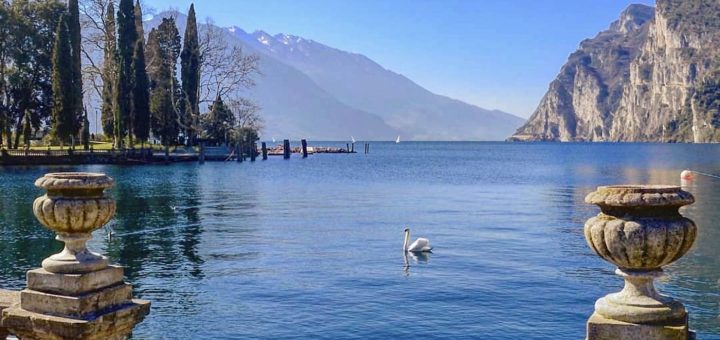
pixel 384 105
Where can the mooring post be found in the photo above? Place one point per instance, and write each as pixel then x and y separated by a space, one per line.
pixel 253 151
pixel 352 147
pixel 241 152
pixel 652 234
pixel 76 294
pixel 264 151
pixel 304 148
pixel 286 149
pixel 201 157
pixel 347 147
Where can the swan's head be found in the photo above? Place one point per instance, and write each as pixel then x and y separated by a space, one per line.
pixel 406 230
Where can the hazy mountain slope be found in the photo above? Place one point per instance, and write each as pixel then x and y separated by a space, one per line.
pixel 361 83
pixel 293 106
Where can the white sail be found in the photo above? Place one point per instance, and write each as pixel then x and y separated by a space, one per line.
pixel 352 139
pixel 397 140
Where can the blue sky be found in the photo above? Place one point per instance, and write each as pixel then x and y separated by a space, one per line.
pixel 498 54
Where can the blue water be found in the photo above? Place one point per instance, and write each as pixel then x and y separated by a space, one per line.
pixel 311 247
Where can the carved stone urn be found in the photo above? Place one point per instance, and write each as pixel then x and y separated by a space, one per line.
pixel 74 206
pixel 76 294
pixel 640 230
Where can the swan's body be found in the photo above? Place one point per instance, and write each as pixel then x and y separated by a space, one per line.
pixel 420 245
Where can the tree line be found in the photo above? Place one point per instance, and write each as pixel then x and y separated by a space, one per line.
pixel 42 48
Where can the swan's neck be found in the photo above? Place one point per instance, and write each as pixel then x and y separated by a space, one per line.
pixel 406 240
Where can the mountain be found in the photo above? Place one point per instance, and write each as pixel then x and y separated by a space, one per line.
pixel 361 83
pixel 293 106
pixel 652 76
pixel 309 90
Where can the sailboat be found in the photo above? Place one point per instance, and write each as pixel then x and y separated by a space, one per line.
pixel 352 139
pixel 397 141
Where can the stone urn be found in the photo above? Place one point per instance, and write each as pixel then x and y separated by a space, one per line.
pixel 640 230
pixel 74 206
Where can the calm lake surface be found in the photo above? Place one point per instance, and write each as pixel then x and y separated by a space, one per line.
pixel 312 248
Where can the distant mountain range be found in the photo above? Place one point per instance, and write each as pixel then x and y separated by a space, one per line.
pixel 310 90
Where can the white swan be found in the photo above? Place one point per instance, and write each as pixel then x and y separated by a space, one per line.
pixel 420 245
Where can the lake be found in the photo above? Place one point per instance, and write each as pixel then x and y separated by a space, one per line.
pixel 312 248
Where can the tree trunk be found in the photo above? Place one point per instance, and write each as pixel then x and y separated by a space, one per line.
pixel 18 128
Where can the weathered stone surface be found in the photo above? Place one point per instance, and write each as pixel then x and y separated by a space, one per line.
pixel 639 196
pixel 74 181
pixel 74 206
pixel 7 298
pixel 115 324
pixel 639 230
pixel 600 328
pixel 76 295
pixel 73 284
pixel 80 306
pixel 641 243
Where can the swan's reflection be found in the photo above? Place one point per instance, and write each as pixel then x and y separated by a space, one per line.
pixel 423 257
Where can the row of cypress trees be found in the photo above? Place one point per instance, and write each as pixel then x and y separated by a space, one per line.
pixel 68 115
pixel 137 97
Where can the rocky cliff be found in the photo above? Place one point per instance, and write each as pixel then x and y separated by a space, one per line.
pixel 652 76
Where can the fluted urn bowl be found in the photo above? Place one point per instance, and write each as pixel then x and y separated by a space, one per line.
pixel 75 202
pixel 640 227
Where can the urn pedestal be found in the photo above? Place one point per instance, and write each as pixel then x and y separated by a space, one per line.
pixel 640 230
pixel 76 294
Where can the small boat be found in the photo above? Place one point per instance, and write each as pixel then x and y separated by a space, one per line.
pixel 397 141
pixel 352 139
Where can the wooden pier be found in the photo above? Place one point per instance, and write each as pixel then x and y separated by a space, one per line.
pixel 148 156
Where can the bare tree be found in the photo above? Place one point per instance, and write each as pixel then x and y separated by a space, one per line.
pixel 247 114
pixel 224 68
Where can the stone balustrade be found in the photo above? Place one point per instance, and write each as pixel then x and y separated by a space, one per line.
pixel 76 294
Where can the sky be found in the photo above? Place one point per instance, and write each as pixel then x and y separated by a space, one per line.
pixel 496 54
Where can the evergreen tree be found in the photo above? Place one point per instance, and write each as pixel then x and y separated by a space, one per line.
pixel 27 131
pixel 127 38
pixel 190 75
pixel 28 60
pixel 163 49
pixel 141 95
pixel 63 109
pixel 219 122
pixel 85 132
pixel 109 74
pixel 75 41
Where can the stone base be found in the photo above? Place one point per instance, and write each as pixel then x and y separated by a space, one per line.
pixel 600 328
pixel 116 324
pixel 73 284
pixel 76 306
pixel 8 298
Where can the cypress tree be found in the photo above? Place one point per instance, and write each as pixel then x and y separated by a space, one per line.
pixel 85 132
pixel 190 75
pixel 141 95
pixel 75 41
pixel 27 130
pixel 109 74
pixel 127 38
pixel 163 48
pixel 63 109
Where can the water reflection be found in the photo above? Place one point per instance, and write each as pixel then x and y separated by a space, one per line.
pixel 263 247
pixel 415 258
